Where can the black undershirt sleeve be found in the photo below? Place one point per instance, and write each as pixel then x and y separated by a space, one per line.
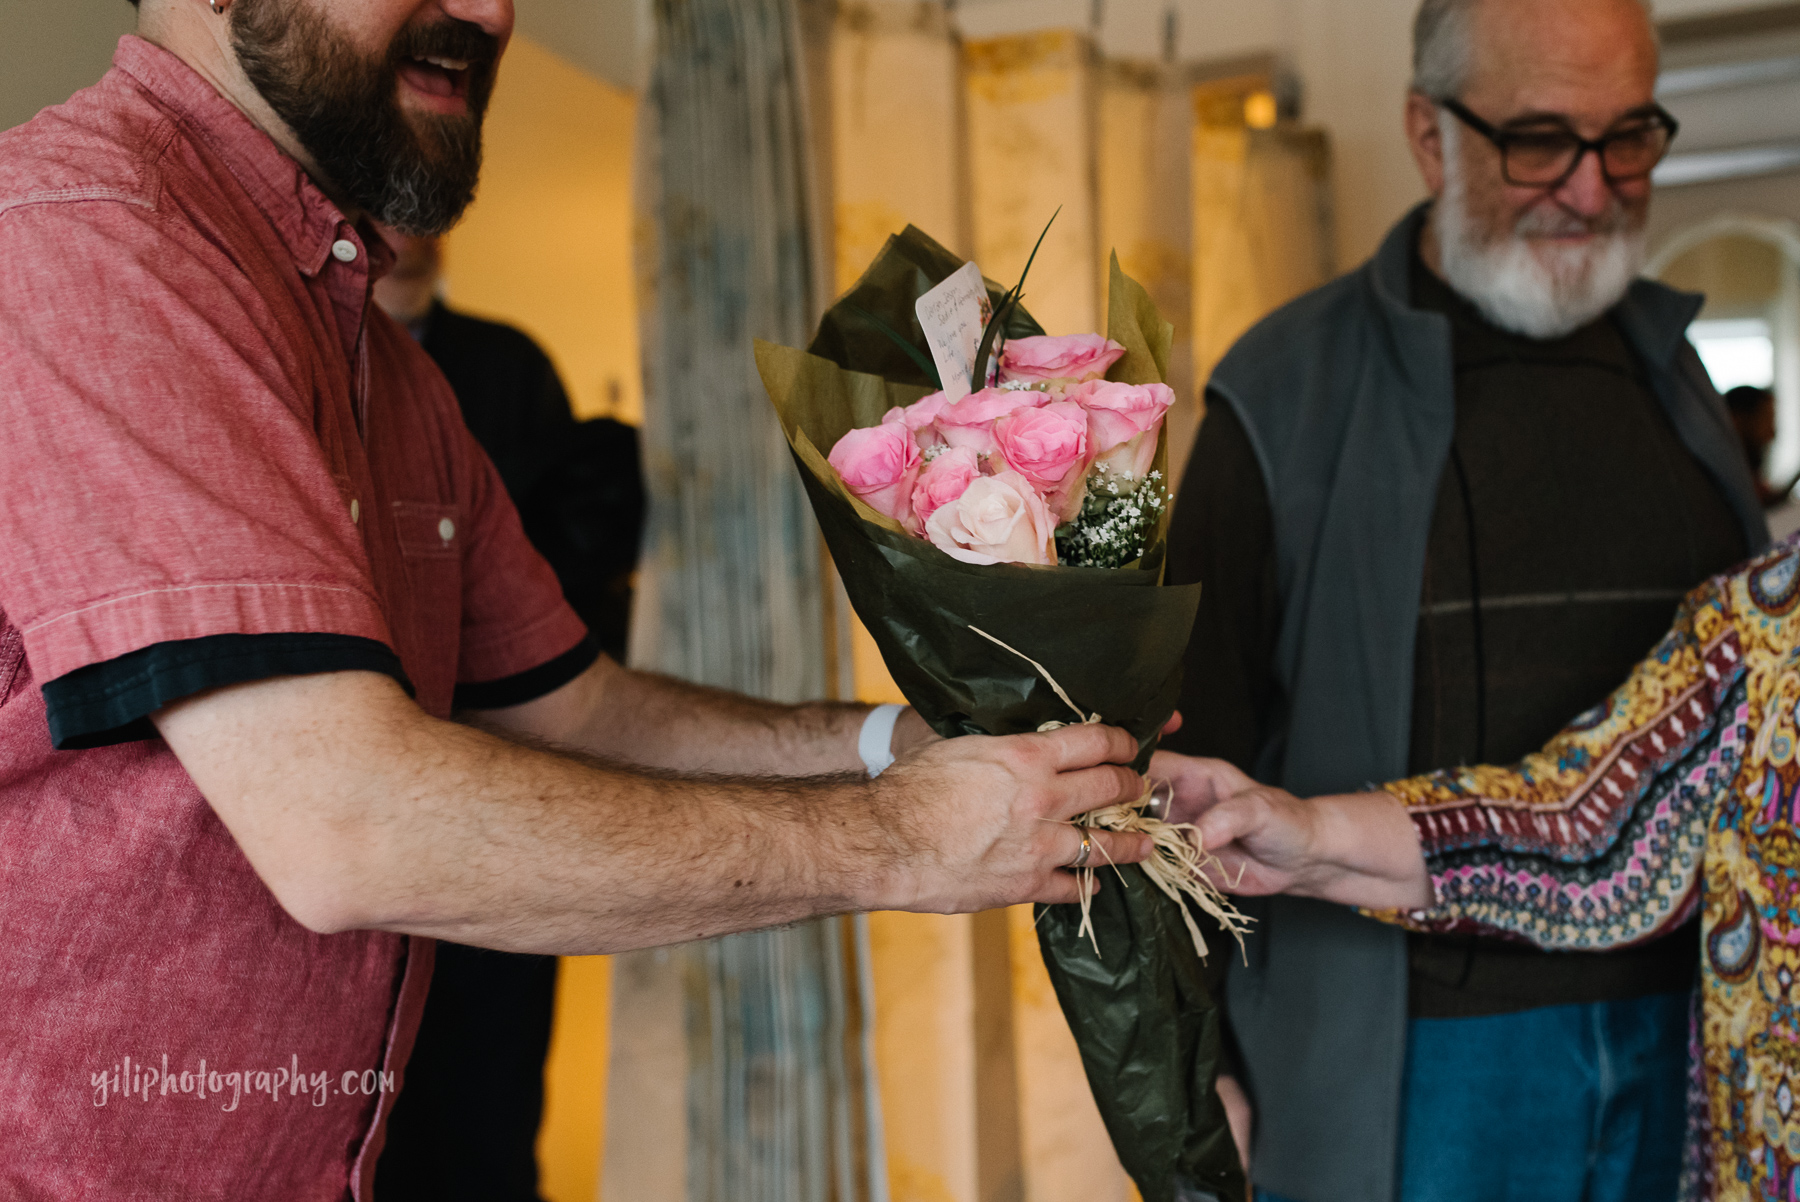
pixel 531 684
pixel 111 702
pixel 1222 537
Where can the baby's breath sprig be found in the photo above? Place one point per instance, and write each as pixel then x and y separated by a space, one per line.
pixel 1115 521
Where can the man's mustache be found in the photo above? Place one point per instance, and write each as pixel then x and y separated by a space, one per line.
pixel 447 39
pixel 1547 219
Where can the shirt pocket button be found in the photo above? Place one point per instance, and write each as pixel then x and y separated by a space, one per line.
pixel 426 529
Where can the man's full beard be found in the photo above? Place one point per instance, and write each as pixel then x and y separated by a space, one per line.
pixel 1523 280
pixel 414 173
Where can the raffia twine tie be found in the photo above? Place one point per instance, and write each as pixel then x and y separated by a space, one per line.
pixel 1178 859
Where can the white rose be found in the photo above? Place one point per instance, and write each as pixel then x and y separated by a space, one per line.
pixel 998 519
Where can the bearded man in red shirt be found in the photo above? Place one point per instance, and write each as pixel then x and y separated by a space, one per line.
pixel 250 564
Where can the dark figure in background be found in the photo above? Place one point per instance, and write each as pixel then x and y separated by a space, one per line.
pixel 577 485
pixel 466 1125
pixel 1753 414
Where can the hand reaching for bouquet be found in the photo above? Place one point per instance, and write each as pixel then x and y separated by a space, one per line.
pixel 1357 849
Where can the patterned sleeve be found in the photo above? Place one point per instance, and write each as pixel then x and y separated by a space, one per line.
pixel 1596 841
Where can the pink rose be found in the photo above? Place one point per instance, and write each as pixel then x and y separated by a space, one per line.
pixel 944 479
pixel 1123 422
pixel 880 464
pixel 1049 447
pixel 1065 357
pixel 917 418
pixel 998 519
pixel 970 422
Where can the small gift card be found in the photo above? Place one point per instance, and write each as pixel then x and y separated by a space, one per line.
pixel 953 316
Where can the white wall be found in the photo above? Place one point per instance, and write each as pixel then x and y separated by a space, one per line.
pixel 609 39
pixel 1668 10
pixel 48 50
pixel 1205 29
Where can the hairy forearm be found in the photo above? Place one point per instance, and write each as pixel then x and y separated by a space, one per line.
pixel 655 721
pixel 358 810
pixel 440 829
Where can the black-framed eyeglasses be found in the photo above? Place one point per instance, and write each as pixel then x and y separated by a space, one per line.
pixel 1542 152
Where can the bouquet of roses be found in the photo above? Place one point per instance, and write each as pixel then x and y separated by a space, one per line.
pixel 995 502
pixel 1052 464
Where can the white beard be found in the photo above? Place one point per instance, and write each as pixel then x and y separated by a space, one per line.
pixel 1525 281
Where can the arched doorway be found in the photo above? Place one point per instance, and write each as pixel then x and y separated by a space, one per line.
pixel 1749 331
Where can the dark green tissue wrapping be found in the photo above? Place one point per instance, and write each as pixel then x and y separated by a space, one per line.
pixel 1141 1013
pixel 1148 1029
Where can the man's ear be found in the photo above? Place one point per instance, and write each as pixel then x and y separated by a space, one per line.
pixel 1425 140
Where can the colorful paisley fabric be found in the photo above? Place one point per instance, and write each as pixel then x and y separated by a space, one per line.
pixel 1682 790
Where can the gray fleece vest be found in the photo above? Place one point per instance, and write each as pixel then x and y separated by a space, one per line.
pixel 1347 396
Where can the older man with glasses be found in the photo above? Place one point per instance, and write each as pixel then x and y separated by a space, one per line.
pixel 1439 505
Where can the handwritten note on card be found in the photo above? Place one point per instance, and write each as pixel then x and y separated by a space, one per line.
pixel 953 316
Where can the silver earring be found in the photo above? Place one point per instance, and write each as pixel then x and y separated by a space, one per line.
pixel 218 9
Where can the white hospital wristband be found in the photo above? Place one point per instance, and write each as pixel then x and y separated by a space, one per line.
pixel 876 742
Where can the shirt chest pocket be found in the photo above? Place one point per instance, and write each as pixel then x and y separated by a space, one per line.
pixel 427 530
pixel 430 538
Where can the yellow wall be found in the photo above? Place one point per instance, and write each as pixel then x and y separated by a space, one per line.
pixel 569 1143
pixel 895 151
pixel 1031 137
pixel 1259 212
pixel 547 244
pixel 547 247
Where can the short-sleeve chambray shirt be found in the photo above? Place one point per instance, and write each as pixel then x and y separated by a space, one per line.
pixel 207 431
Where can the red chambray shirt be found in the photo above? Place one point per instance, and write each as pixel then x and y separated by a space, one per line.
pixel 206 428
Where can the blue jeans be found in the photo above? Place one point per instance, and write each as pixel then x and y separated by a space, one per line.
pixel 1580 1103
